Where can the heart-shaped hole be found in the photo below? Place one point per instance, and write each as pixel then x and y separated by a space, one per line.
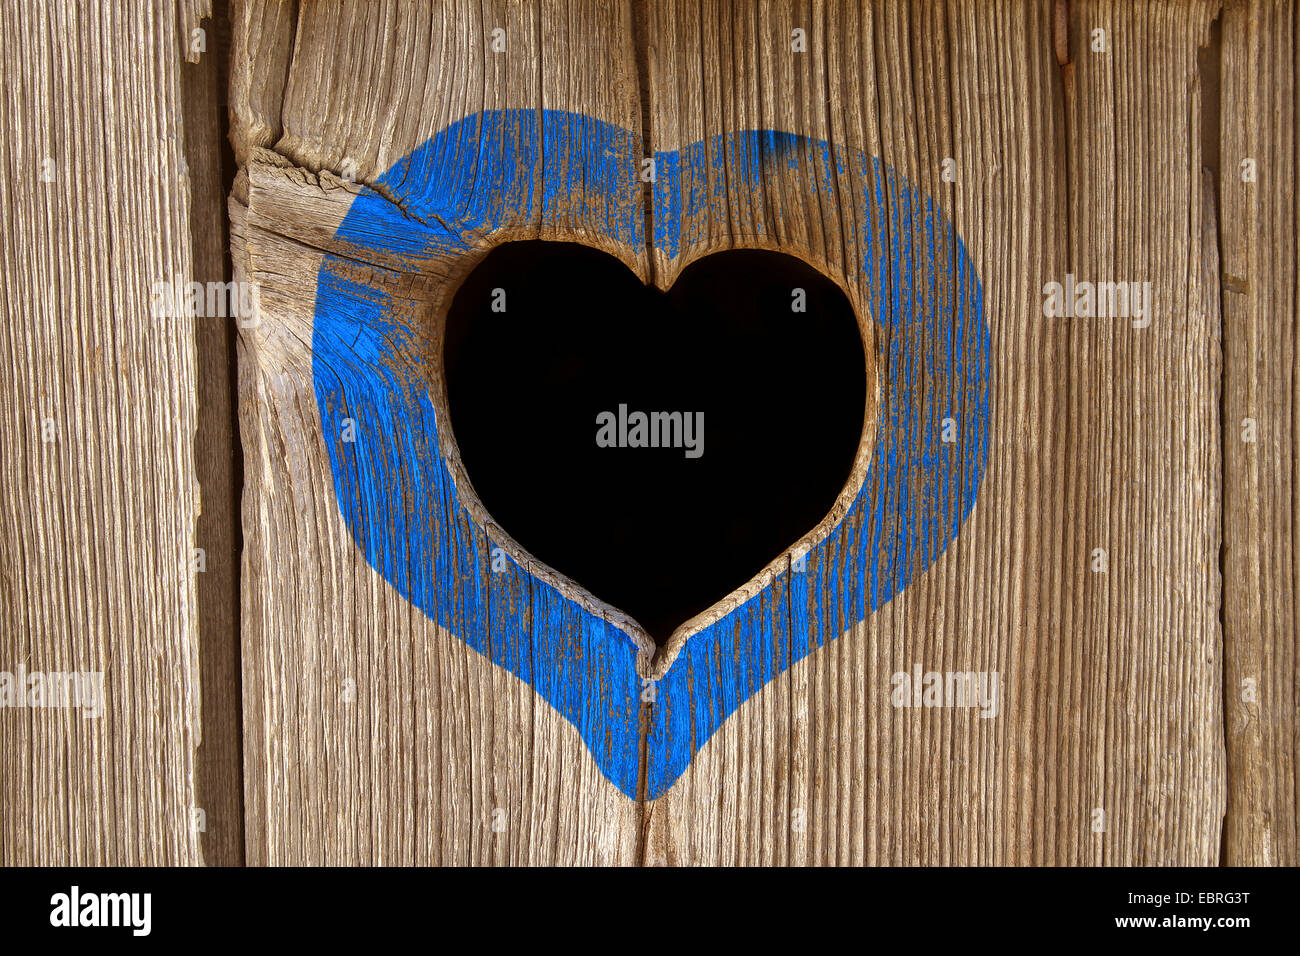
pixel 750 374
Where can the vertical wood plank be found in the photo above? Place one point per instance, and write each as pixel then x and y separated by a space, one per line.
pixel 914 86
pixel 373 733
pixel 97 405
pixel 1145 431
pixel 1261 512
pixel 1099 438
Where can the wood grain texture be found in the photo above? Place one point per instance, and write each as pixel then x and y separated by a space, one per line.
pixel 97 523
pixel 817 767
pixel 1155 692
pixel 1143 430
pixel 1110 683
pixel 1261 511
pixel 373 734
pixel 262 42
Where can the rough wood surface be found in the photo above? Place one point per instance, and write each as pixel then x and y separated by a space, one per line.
pixel 97 523
pixel 1147 710
pixel 1071 155
pixel 1110 682
pixel 1261 511
pixel 372 734
pixel 1141 446
pixel 817 767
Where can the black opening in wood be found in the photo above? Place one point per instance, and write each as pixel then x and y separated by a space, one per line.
pixel 750 373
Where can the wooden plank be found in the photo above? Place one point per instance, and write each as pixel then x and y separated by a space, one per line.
pixel 853 779
pixel 1145 429
pixel 1260 256
pixel 1101 436
pixel 97 400
pixel 377 732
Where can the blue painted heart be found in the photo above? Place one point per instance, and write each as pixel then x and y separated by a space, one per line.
pixel 393 472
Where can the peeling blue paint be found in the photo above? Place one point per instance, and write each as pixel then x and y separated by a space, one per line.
pixel 510 168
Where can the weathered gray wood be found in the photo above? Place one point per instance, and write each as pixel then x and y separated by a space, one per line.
pixel 430 738
pixel 97 413
pixel 375 736
pixel 1104 436
pixel 1261 511
pixel 1144 430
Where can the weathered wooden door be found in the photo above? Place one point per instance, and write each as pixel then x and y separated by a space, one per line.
pixel 1068 231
